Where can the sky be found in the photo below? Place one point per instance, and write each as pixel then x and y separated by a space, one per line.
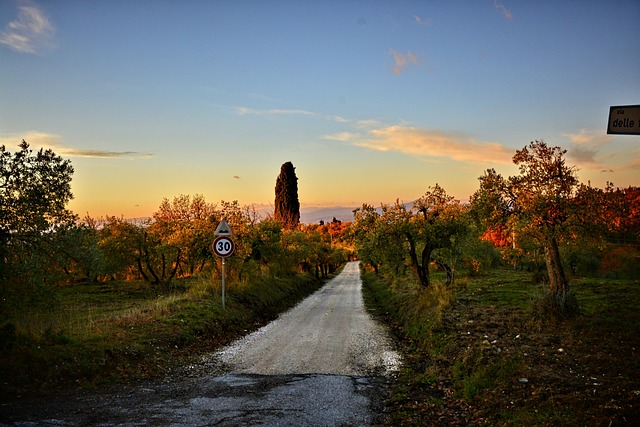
pixel 372 101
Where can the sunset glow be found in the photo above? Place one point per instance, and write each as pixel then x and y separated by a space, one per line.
pixel 371 101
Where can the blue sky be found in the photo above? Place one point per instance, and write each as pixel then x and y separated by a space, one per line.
pixel 371 100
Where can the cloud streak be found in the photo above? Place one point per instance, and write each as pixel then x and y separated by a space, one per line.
pixel 427 143
pixel 401 61
pixel 247 111
pixel 585 146
pixel 30 32
pixel 502 9
pixel 343 136
pixel 433 143
pixel 422 21
pixel 37 140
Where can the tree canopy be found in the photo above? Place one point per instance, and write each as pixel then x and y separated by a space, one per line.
pixel 540 199
pixel 34 190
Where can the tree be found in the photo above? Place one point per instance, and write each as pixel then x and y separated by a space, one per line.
pixel 540 198
pixel 34 191
pixel 120 244
pixel 436 221
pixel 366 236
pixel 76 249
pixel 287 206
pixel 178 241
pixel 387 239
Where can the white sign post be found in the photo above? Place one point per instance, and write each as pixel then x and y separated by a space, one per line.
pixel 223 246
pixel 624 120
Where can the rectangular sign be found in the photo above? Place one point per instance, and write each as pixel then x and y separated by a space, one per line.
pixel 624 120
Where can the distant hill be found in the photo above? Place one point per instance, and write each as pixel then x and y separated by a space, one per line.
pixel 308 215
pixel 314 215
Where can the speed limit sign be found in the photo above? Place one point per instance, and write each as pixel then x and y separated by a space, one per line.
pixel 223 246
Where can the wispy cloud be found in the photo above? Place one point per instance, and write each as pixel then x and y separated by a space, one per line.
pixel 590 150
pixel 502 9
pixel 101 154
pixel 245 111
pixel 37 140
pixel 30 32
pixel 402 60
pixel 402 138
pixel 422 21
pixel 433 143
pixel 585 145
pixel 633 164
pixel 343 136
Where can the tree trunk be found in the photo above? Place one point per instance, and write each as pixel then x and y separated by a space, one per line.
pixel 141 270
pixel 421 271
pixel 558 284
pixel 175 269
pixel 448 270
pixel 144 250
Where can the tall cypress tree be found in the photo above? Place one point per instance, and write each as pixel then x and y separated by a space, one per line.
pixel 287 205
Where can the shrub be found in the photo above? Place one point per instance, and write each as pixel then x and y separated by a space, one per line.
pixel 552 307
pixel 622 262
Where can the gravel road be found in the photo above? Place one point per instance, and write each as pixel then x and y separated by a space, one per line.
pixel 328 333
pixel 323 363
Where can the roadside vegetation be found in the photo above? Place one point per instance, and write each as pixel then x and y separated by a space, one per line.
pixel 478 354
pixel 519 308
pixel 97 300
pixel 103 333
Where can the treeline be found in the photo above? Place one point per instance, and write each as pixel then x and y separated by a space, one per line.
pixel 44 245
pixel 543 220
pixel 176 243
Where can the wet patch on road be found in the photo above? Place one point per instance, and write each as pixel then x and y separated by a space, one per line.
pixel 228 400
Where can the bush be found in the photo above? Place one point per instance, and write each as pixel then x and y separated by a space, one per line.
pixel 415 309
pixel 553 307
pixel 622 262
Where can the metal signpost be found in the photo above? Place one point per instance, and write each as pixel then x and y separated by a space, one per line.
pixel 223 246
pixel 624 120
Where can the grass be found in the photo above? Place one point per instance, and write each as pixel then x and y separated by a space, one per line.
pixel 482 358
pixel 103 333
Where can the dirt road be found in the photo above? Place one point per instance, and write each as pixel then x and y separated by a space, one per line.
pixel 320 364
pixel 328 333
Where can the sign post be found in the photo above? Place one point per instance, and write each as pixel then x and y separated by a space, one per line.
pixel 624 120
pixel 223 246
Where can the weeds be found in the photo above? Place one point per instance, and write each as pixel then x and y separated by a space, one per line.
pixel 553 308
pixel 499 355
pixel 128 329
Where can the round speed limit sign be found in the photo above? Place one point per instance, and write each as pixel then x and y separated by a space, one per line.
pixel 223 246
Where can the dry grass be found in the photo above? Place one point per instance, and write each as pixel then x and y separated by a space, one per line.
pixel 491 361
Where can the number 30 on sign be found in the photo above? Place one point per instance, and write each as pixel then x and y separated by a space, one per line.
pixel 223 246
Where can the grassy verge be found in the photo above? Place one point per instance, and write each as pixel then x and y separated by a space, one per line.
pixel 481 358
pixel 111 332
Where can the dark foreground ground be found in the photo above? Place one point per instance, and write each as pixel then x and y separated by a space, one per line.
pixel 490 362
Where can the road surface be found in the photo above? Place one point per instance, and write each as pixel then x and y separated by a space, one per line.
pixel 328 333
pixel 320 364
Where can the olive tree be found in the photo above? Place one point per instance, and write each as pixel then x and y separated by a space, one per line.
pixel 541 200
pixel 436 221
pixel 35 188
pixel 412 234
